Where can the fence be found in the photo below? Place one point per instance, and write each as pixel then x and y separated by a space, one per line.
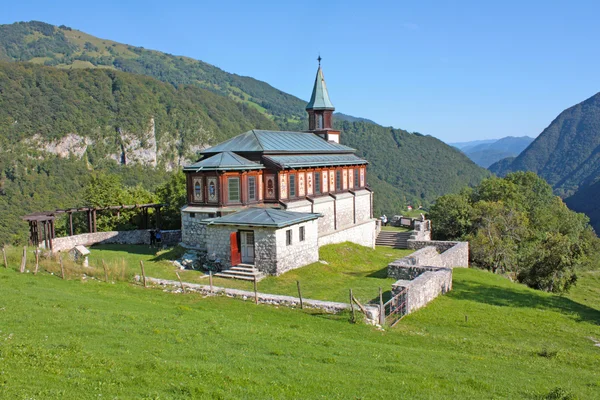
pixel 396 308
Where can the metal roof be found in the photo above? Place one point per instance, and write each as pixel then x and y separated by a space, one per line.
pixel 319 160
pixel 223 161
pixel 267 217
pixel 319 100
pixel 277 142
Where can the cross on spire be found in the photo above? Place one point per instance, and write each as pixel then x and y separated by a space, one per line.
pixel 319 59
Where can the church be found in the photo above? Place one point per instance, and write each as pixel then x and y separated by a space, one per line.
pixel 263 202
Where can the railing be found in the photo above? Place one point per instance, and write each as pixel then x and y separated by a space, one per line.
pixel 396 308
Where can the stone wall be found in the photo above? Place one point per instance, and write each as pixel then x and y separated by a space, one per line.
pixel 218 243
pixel 362 206
pixel 344 210
pixel 424 288
pixel 113 237
pixel 363 234
pixel 265 243
pixel 193 230
pixel 453 254
pixel 298 254
pixel 409 267
pixel 372 316
pixel 324 206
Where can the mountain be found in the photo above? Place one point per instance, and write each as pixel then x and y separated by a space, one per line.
pixel 79 112
pixel 349 118
pixel 486 152
pixel 64 47
pixel 567 155
pixel 472 143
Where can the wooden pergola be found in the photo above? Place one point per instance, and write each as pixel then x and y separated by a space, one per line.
pixel 42 229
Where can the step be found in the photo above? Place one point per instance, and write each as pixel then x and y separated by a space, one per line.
pixel 245 273
pixel 231 276
pixel 245 269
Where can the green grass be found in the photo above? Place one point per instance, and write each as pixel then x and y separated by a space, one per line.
pixel 348 266
pixel 88 339
pixel 395 228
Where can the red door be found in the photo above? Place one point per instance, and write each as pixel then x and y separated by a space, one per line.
pixel 236 256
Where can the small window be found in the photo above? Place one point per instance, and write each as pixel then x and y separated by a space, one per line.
pixel 302 234
pixel 192 215
pixel 288 237
pixel 338 180
pixel 234 189
pixel 356 181
pixel 251 188
pixel 319 121
pixel 292 185
pixel 317 182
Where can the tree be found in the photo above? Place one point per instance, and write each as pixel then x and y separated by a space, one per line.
pixel 452 215
pixel 174 194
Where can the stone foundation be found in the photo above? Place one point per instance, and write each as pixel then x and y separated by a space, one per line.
pixel 424 288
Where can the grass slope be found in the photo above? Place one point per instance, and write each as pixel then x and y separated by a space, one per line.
pixel 73 339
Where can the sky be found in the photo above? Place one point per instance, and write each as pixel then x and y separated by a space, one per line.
pixel 456 70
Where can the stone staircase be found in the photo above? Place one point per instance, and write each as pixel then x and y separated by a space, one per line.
pixel 245 272
pixel 397 240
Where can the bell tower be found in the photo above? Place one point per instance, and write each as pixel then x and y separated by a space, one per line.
pixel 320 110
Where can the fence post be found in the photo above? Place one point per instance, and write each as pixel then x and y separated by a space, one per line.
pixel 37 261
pixel 62 267
pixel 255 291
pixel 24 260
pixel 381 308
pixel 300 295
pixel 353 318
pixel 143 272
pixel 180 281
pixel 4 256
pixel 105 271
pixel 210 280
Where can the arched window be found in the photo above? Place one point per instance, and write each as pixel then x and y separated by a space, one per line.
pixel 319 121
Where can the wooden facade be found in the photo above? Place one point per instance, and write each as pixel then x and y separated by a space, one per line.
pixel 245 188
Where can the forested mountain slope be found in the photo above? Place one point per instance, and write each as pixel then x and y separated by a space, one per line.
pixel 567 155
pixel 64 47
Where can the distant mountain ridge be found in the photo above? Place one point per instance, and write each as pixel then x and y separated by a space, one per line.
pixel 486 152
pixel 567 155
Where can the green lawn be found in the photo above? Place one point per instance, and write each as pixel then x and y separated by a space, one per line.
pixel 82 339
pixel 395 228
pixel 349 266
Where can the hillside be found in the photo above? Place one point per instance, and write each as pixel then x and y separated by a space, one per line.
pixel 487 153
pixel 82 338
pixel 64 47
pixel 416 168
pixel 567 155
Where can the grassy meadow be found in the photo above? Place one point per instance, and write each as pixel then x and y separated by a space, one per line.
pixel 487 338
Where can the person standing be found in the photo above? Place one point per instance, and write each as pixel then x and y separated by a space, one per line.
pixel 152 238
pixel 158 238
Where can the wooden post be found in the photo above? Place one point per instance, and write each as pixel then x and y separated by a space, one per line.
pixel 62 267
pixel 300 295
pixel 143 272
pixel 37 261
pixel 255 291
pixel 210 280
pixel 353 318
pixel 70 224
pixel 105 271
pixel 180 281
pixel 381 308
pixel 24 259
pixel 4 256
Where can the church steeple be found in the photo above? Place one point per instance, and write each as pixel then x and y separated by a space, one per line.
pixel 320 109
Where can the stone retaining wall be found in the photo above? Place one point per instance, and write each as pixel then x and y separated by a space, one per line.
pixel 424 288
pixel 364 234
pixel 113 237
pixel 453 254
pixel 265 298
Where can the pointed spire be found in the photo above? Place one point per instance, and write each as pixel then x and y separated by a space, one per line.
pixel 320 97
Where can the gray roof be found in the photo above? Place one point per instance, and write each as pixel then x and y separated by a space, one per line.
pixel 319 100
pixel 278 142
pixel 319 160
pixel 268 217
pixel 223 161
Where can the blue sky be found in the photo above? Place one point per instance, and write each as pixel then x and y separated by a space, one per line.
pixel 457 70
